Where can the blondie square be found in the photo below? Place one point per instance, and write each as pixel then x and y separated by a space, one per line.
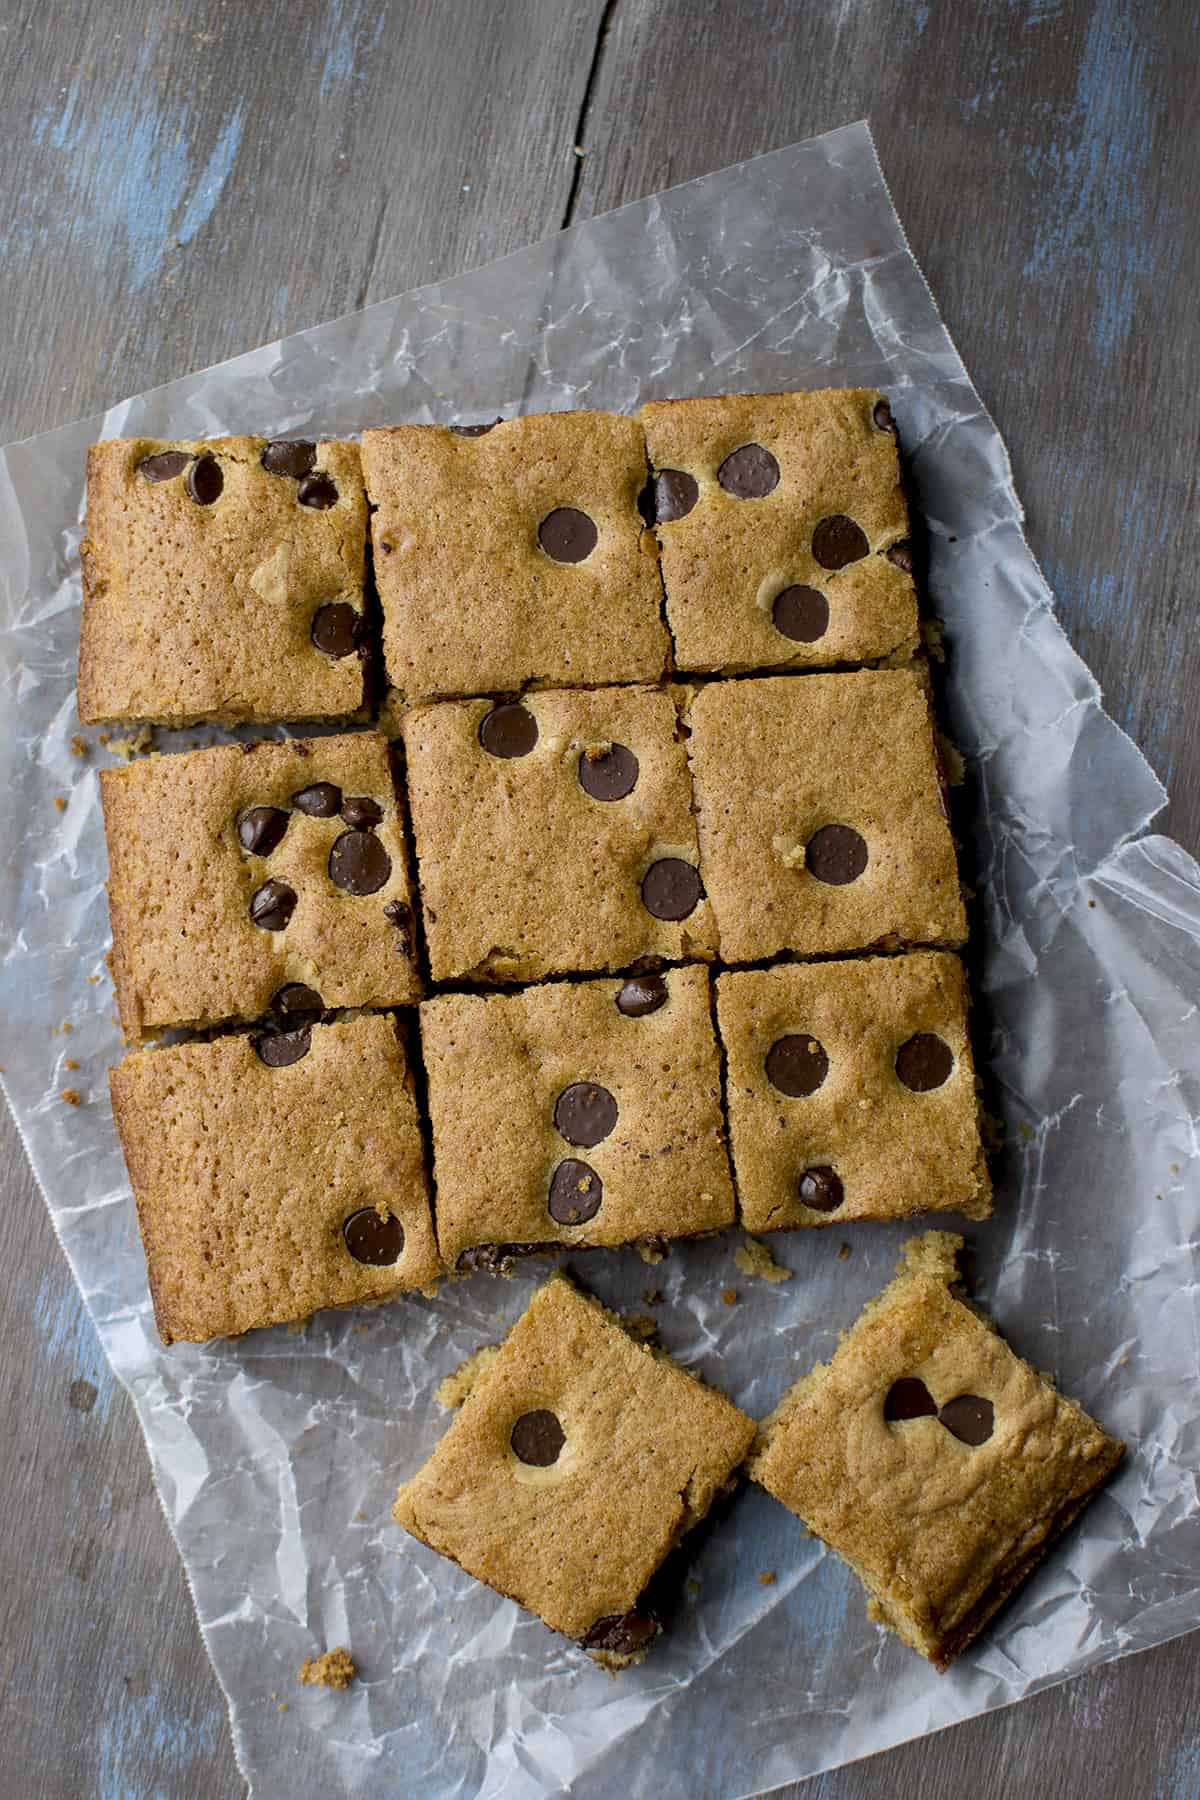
pixel 222 580
pixel 575 1114
pixel 514 554
pixel 822 821
pixel 275 1174
pixel 236 872
pixel 851 1091
pixel 578 1460
pixel 784 530
pixel 554 834
pixel 934 1461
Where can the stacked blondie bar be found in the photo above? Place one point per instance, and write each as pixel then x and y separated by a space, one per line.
pixel 633 894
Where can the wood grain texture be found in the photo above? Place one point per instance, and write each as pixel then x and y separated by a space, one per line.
pixel 183 181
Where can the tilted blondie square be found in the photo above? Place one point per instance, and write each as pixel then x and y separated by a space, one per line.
pixel 514 553
pixel 578 1461
pixel 275 1174
pixel 554 834
pixel 823 826
pixel 235 872
pixel 784 530
pixel 575 1114
pixel 222 580
pixel 934 1461
pixel 851 1091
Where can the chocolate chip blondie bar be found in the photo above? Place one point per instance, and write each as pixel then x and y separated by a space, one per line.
pixel 579 1459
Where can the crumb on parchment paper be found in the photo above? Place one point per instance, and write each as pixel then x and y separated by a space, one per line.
pixel 137 744
pixel 753 1258
pixel 70 1062
pixel 79 745
pixel 72 1096
pixel 335 1669
pixel 653 1297
pixel 60 802
pixel 729 1296
pixel 767 1578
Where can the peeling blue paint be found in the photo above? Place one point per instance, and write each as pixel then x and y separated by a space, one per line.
pixel 920 19
pixel 346 36
pixel 1182 1780
pixel 65 1334
pixel 139 1733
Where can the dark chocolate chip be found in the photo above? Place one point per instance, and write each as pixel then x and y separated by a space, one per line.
pixel 361 812
pixel 568 535
pixel 273 905
pixel 882 416
pixel 821 1188
pixel 205 480
pixel 584 1113
pixel 320 801
pixel 475 430
pixel 645 501
pixel 675 494
pixel 317 491
pixel 279 1048
pixel 509 730
pixel 836 855
pixel 498 1259
pixel 797 1064
pixel 297 1001
pixel 838 541
pixel 900 553
pixel 537 1438
pixel 398 913
pixel 358 863
pixel 749 473
pixel 164 465
pixel 908 1398
pixel 575 1193
pixel 621 1634
pixel 289 456
pixel 640 995
pixel 801 613
pixel 671 888
pixel 969 1418
pixel 372 1238
pixel 925 1062
pixel 260 828
pixel 336 627
pixel 609 776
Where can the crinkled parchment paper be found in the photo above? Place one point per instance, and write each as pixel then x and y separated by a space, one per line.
pixel 277 1456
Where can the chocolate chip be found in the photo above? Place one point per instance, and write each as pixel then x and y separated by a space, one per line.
pixel 205 480
pixel 575 1193
pixel 900 553
pixel 509 730
pixel 567 535
pixel 317 491
pixel 164 465
pixel 882 416
pixel 358 863
pixel 836 855
pixel 801 613
pixel 289 456
pixel 908 1398
pixel 273 905
pixel 297 1001
pixel 475 430
pixel 361 812
pixel 671 888
pixel 645 501
pixel 821 1188
pixel 968 1418
pixel 838 541
pixel 640 995
pixel 279 1048
pixel 320 801
pixel 924 1062
pixel 584 1113
pixel 610 776
pixel 537 1438
pixel 260 828
pixel 498 1259
pixel 797 1065
pixel 621 1634
pixel 675 494
pixel 372 1238
pixel 336 627
pixel 398 913
pixel 749 473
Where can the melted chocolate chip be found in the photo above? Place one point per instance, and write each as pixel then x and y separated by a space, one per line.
pixel 297 1001
pixel 279 1048
pixel 749 473
pixel 537 1438
pixel 273 905
pixel 838 541
pixel 568 535
pixel 289 456
pixel 320 801
pixel 475 430
pixel 640 995
pixel 358 863
pixel 801 613
pixel 621 1634
pixel 371 1238
pixel 361 812
pixel 797 1065
pixel 900 553
pixel 317 491
pixel 836 855
pixel 908 1398
pixel 585 1114
pixel 509 730
pixel 336 627
pixel 675 494
pixel 575 1193
pixel 610 776
pixel 164 465
pixel 925 1062
pixel 882 415
pixel 671 888
pixel 204 480
pixel 498 1259
pixel 969 1418
pixel 821 1188
pixel 260 828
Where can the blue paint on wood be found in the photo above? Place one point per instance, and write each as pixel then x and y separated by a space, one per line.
pixel 1181 1780
pixel 138 1732
pixel 64 1332
pixel 348 32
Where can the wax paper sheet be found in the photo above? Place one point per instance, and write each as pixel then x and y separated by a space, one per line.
pixel 277 1456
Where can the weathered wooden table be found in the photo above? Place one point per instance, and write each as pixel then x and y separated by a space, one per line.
pixel 182 181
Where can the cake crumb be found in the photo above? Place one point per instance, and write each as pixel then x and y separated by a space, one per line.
pixel 653 1296
pixel 136 745
pixel 455 1388
pixel 69 1062
pixel 92 980
pixel 729 1296
pixel 283 1706
pixel 652 1250
pixel 60 802
pixel 79 745
pixel 641 1327
pixel 335 1669
pixel 767 1578
pixel 843 1251
pixel 753 1258
pixel 72 1096
pixel 105 737
pixel 67 1025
